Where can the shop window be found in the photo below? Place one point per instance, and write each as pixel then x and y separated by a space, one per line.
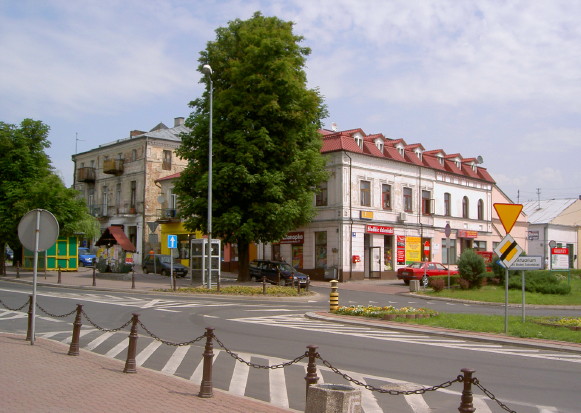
pixel 449 251
pixel 321 197
pixel 386 196
pixel 407 200
pixel 321 249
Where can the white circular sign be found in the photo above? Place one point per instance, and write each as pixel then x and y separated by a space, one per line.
pixel 42 221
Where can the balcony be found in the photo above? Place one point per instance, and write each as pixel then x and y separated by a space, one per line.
pixel 113 166
pixel 168 215
pixel 86 174
pixel 97 211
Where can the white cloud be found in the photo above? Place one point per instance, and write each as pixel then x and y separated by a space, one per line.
pixel 559 140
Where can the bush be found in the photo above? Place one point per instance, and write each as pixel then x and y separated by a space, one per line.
pixel 464 284
pixel 471 266
pixel 542 282
pixel 437 284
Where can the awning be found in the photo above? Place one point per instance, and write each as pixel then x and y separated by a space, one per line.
pixel 115 235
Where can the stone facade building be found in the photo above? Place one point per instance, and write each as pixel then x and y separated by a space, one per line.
pixel 118 182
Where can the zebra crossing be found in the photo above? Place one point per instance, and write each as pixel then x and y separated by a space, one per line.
pixel 298 321
pixel 283 387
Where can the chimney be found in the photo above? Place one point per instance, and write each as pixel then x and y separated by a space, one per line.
pixel 178 122
pixel 135 133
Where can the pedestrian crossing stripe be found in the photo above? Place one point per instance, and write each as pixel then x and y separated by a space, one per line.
pixel 508 251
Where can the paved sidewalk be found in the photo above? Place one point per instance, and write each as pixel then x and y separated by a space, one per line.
pixel 43 378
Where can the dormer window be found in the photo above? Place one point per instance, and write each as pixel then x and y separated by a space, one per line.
pixel 440 159
pixel 419 154
pixel 358 139
pixel 400 149
pixel 474 167
pixel 379 144
pixel 457 163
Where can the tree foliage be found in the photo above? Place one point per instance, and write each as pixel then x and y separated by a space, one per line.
pixel 28 181
pixel 471 266
pixel 267 162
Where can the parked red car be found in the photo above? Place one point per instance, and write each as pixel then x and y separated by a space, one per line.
pixel 419 270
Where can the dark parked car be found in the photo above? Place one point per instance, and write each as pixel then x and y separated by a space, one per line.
pixel 419 270
pixel 161 264
pixel 272 269
pixel 86 259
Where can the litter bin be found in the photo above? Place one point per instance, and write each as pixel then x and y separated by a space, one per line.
pixel 414 285
pixel 333 398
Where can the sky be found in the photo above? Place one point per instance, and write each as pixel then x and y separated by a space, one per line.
pixel 499 79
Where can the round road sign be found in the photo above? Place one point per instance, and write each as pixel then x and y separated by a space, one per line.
pixel 42 221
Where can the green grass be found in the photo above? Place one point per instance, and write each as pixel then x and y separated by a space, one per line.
pixel 271 291
pixel 495 294
pixel 495 324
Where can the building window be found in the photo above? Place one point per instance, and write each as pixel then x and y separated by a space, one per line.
pixel 166 165
pixel 133 155
pixel 132 200
pixel 480 209
pixel 118 196
pixel 386 196
pixel 321 197
pixel 479 245
pixel 448 251
pixel 407 200
pixel 105 201
pixel 426 203
pixel 447 208
pixel 321 249
pixel 365 193
pixel 465 207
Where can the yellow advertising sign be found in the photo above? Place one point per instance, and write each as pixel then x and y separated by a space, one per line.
pixel 413 249
pixel 508 214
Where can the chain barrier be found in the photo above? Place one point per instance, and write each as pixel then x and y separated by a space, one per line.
pixel 169 343
pixel 14 309
pixel 259 366
pixel 423 390
pixel 491 396
pixel 55 315
pixel 104 329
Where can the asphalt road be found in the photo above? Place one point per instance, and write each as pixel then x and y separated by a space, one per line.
pixel 267 331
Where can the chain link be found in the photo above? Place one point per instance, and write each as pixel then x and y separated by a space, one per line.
pixel 55 315
pixel 259 366
pixel 104 329
pixel 14 309
pixel 169 343
pixel 492 396
pixel 386 391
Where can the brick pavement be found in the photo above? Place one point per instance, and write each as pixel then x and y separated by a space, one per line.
pixel 43 378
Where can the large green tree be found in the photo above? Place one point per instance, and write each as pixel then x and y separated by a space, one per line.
pixel 28 181
pixel 267 162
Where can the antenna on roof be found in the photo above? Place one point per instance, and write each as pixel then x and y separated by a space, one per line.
pixel 334 127
pixel 479 159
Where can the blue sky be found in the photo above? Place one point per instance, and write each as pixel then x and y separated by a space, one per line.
pixel 500 79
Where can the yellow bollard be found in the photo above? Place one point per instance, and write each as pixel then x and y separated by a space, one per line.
pixel 334 296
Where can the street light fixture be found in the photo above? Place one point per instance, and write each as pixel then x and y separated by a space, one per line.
pixel 208 70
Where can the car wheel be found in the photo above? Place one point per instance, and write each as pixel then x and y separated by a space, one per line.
pixel 425 280
pixel 81 264
pixel 164 273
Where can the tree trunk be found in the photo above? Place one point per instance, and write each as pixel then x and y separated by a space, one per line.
pixel 243 261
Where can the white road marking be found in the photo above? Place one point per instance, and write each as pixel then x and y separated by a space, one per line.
pixel 240 376
pixel 147 352
pixel 175 360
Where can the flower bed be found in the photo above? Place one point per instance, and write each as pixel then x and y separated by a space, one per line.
pixel 572 323
pixel 387 312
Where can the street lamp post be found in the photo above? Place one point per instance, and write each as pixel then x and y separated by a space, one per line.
pixel 208 70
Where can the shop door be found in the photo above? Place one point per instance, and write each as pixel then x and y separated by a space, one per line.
pixel 375 262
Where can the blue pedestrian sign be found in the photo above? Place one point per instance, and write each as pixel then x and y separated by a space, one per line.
pixel 172 241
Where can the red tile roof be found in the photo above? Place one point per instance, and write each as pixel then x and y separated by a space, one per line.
pixel 115 235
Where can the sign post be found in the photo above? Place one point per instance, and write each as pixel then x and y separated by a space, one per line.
pixel 172 243
pixel 37 230
pixel 508 250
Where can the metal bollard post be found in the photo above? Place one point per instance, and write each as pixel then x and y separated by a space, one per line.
pixel 59 276
pixel 17 269
pixel 466 405
pixel 29 331
pixel 264 285
pixel 94 278
pixel 311 377
pixel 77 324
pixel 298 286
pixel 130 365
pixel 206 385
pixel 308 283
pixel 132 279
pixel 334 296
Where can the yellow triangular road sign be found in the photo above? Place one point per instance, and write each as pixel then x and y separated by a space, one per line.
pixel 508 214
